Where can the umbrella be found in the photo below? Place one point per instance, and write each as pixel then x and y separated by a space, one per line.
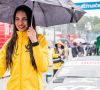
pixel 93 42
pixel 65 40
pixel 79 40
pixel 46 12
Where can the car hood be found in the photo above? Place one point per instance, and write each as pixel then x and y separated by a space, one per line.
pixel 76 84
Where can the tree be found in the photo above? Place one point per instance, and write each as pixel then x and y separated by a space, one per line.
pixel 95 20
pixel 97 28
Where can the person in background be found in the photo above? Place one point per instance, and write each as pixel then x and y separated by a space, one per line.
pixel 88 50
pixel 94 49
pixel 74 50
pixel 25 54
pixel 49 73
pixel 80 49
pixel 66 50
pixel 58 56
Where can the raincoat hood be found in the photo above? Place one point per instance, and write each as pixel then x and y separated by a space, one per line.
pixel 59 42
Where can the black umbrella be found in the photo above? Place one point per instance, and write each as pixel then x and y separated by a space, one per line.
pixel 45 13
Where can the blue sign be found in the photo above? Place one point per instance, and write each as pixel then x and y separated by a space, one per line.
pixel 89 5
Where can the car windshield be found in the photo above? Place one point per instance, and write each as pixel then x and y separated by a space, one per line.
pixel 86 71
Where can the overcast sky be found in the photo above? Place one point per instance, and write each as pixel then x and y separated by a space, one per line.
pixel 95 12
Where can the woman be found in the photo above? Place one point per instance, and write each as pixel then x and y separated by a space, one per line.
pixel 58 54
pixel 25 54
pixel 74 50
pixel 66 49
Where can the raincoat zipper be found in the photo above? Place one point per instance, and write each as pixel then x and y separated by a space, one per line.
pixel 21 63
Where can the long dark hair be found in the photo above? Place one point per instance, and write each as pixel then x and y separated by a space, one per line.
pixel 13 44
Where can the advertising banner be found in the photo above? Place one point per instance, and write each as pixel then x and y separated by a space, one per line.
pixel 89 5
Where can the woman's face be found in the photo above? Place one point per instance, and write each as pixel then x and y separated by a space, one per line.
pixel 59 45
pixel 21 21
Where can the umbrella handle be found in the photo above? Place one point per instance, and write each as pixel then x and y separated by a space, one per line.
pixel 32 14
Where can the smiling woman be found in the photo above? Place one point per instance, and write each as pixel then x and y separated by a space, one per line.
pixel 25 54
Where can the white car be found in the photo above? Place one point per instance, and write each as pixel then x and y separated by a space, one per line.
pixel 82 73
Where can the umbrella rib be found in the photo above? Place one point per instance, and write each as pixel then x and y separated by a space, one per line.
pixel 73 15
pixel 25 1
pixel 43 13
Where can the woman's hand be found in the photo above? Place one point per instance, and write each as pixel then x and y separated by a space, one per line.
pixel 32 34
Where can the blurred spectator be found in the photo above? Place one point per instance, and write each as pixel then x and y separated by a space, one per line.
pixel 74 50
pixel 49 73
pixel 94 49
pixel 88 50
pixel 80 49
pixel 66 50
pixel 58 55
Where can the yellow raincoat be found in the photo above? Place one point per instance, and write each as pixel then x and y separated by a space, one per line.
pixel 23 76
pixel 58 64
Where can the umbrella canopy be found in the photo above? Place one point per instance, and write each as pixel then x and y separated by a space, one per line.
pixel 75 11
pixel 93 42
pixel 79 40
pixel 62 3
pixel 46 12
pixel 64 40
